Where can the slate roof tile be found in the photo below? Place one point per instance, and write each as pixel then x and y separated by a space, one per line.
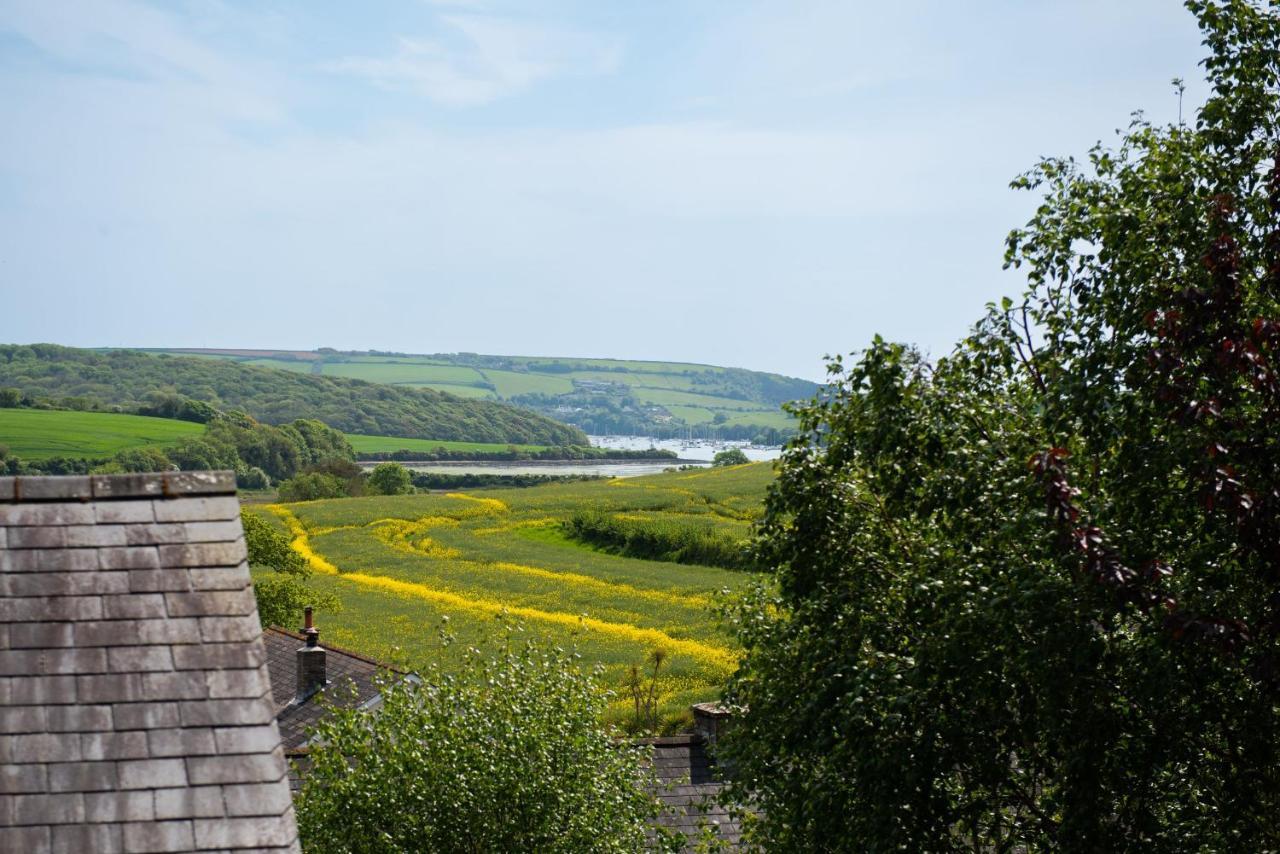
pixel 345 670
pixel 135 711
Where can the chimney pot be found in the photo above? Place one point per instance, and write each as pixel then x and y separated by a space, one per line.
pixel 309 630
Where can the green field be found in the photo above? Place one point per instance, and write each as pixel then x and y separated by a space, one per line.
pixel 388 444
pixel 399 372
pixel 38 434
pixel 511 383
pixel 402 564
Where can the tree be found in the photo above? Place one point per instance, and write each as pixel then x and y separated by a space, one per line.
pixel 1025 597
pixel 146 458
pixel 282 593
pixel 311 487
pixel 730 457
pixel 390 479
pixel 507 755
pixel 347 471
pixel 253 478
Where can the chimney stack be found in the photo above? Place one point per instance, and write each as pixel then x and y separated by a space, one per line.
pixel 311 662
pixel 709 721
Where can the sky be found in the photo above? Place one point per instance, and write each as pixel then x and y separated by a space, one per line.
pixel 731 182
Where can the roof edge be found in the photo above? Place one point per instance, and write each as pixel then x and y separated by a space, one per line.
pixel 107 487
pixel 340 650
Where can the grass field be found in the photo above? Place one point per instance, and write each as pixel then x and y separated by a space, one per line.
pixel 777 418
pixel 37 434
pixel 402 565
pixel 282 364
pixel 512 383
pixel 399 372
pixel 387 444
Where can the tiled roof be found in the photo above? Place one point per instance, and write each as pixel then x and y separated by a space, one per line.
pixel 689 789
pixel 136 712
pixel 345 669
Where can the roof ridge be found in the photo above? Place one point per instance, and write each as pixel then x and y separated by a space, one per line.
pixel 31 489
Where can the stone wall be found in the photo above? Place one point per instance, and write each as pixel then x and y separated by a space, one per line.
pixel 135 708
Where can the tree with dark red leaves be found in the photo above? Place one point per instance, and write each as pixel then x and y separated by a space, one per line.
pixel 1027 596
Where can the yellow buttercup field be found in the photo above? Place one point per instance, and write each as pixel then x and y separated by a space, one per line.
pixel 406 566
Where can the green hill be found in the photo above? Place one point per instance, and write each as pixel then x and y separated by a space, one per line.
pixel 37 434
pixel 86 379
pixel 598 395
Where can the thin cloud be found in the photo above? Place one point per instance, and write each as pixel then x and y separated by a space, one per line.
pixel 478 59
pixel 123 40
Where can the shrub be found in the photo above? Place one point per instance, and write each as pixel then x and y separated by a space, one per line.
pixel 283 594
pixel 689 541
pixel 507 755
pixel 253 478
pixel 311 487
pixel 269 548
pixel 730 457
pixel 137 460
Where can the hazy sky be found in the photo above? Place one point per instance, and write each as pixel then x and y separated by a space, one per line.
pixel 740 183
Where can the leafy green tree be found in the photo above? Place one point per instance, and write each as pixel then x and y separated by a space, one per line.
pixel 390 479
pixel 1025 597
pixel 210 451
pixel 137 460
pixel 10 398
pixel 730 457
pixel 253 478
pixel 311 487
pixel 507 755
pixel 283 593
pixel 269 547
pixel 347 471
pixel 169 405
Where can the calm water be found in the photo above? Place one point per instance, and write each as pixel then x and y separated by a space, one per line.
pixel 691 453
pixel 695 450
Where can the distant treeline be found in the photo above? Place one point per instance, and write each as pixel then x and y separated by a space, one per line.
pixel 565 452
pixel 440 480
pixel 129 381
pixel 690 541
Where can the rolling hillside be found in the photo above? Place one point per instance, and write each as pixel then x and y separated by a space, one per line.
pixel 86 379
pixel 598 395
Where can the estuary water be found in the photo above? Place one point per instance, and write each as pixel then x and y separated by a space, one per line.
pixel 698 450
pixel 698 453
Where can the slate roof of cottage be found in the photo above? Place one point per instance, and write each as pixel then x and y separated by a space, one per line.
pixel 689 787
pixel 136 711
pixel 344 669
